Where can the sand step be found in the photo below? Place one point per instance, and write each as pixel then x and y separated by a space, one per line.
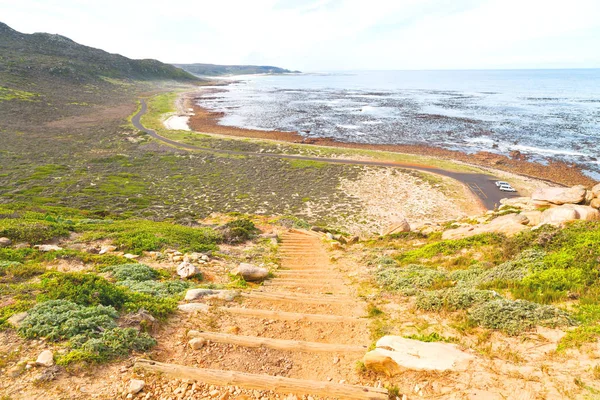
pixel 279 344
pixel 305 271
pixel 264 382
pixel 301 284
pixel 289 316
pixel 305 281
pixel 287 296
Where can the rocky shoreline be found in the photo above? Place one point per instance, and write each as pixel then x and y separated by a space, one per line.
pixel 204 120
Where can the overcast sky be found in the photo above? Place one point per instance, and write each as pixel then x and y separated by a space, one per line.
pixel 319 35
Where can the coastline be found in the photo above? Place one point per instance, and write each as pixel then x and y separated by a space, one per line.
pixel 203 120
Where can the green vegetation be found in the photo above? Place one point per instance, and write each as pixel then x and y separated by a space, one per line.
pixel 238 231
pixel 432 337
pixel 218 70
pixel 15 94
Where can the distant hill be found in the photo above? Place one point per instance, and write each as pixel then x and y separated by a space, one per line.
pixel 54 56
pixel 219 70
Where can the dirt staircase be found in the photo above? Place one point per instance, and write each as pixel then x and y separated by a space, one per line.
pixel 306 319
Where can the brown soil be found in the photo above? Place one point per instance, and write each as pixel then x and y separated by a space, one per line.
pixel 562 173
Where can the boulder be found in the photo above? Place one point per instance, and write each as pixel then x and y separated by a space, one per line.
pixel 589 196
pixel 107 249
pixel 5 242
pixel 193 307
pixel 131 256
pixel 186 270
pixel 194 294
pixel 17 319
pixel 45 359
pixel 509 225
pixel 136 386
pixel 48 247
pixel 534 217
pixel 394 354
pixel 595 203
pixel 558 215
pixel 585 213
pixel 596 190
pixel 250 272
pixel 197 343
pixel 554 195
pixel 398 226
pixel 524 203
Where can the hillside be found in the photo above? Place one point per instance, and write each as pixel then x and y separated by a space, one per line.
pixel 57 57
pixel 220 70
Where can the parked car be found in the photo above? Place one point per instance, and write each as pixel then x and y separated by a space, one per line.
pixel 506 188
pixel 500 183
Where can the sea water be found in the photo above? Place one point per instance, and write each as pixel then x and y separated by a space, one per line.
pixel 544 114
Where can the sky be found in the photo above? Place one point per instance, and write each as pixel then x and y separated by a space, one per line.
pixel 326 35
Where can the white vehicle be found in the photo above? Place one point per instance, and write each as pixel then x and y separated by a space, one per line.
pixel 506 188
pixel 502 183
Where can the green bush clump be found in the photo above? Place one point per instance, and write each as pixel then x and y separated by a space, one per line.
pixel 112 343
pixel 579 336
pixel 290 221
pixel 159 307
pixel 133 272
pixel 467 276
pixel 550 285
pixel 12 270
pixel 8 311
pixel 407 279
pixel 33 232
pixel 18 255
pixel 62 319
pixel 238 231
pixel 458 298
pixel 506 274
pixel 156 288
pixel 514 317
pixel 82 288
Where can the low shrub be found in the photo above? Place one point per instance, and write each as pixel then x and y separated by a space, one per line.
pixel 459 298
pixel 549 285
pixel 133 272
pixel 81 288
pixel 155 288
pixel 514 317
pixel 32 231
pixel 238 231
pixel 507 273
pixel 12 270
pixel 159 307
pixel 63 319
pixel 407 279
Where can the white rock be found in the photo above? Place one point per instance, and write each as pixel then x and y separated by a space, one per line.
pixel 585 213
pixel 5 242
pixel 194 294
pixel 560 196
pixel 558 215
pixel 250 272
pixel 48 247
pixel 197 343
pixel 193 307
pixel 136 386
pixel 186 270
pixel 45 359
pixel 131 256
pixel 107 249
pixel 397 226
pixel 596 190
pixel 17 319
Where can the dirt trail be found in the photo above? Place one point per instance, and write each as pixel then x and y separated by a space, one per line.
pixel 319 345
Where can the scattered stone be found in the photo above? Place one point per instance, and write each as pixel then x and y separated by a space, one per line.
pixel 186 270
pixel 45 359
pixel 197 343
pixel 193 307
pixel 48 247
pixel 136 386
pixel 5 242
pixel 131 256
pixel 395 353
pixel 574 195
pixel 194 294
pixel 178 259
pixel 329 236
pixel 398 226
pixel 17 319
pixel 250 272
pixel 107 249
pixel 227 295
pixel 48 374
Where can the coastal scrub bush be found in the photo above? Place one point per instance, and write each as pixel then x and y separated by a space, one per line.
pixel 550 285
pixel 458 298
pixel 509 272
pixel 155 288
pixel 81 288
pixel 514 317
pixel 290 221
pixel 159 307
pixel 63 319
pixel 132 272
pixel 12 270
pixel 238 231
pixel 32 231
pixel 407 279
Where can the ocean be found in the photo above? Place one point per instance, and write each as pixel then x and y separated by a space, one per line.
pixel 544 114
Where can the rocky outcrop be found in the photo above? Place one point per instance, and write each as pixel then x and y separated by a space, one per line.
pixel 507 224
pixel 559 196
pixel 398 226
pixel 558 216
pixel 394 354
pixel 596 191
pixel 585 213
pixel 250 273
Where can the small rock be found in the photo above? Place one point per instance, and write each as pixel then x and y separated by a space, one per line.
pixel 186 270
pixel 136 386
pixel 107 249
pixel 194 294
pixel 197 343
pixel 45 359
pixel 250 272
pixel 353 240
pixel 398 226
pixel 5 242
pixel 17 319
pixel 179 259
pixel 131 256
pixel 193 307
pixel 48 247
